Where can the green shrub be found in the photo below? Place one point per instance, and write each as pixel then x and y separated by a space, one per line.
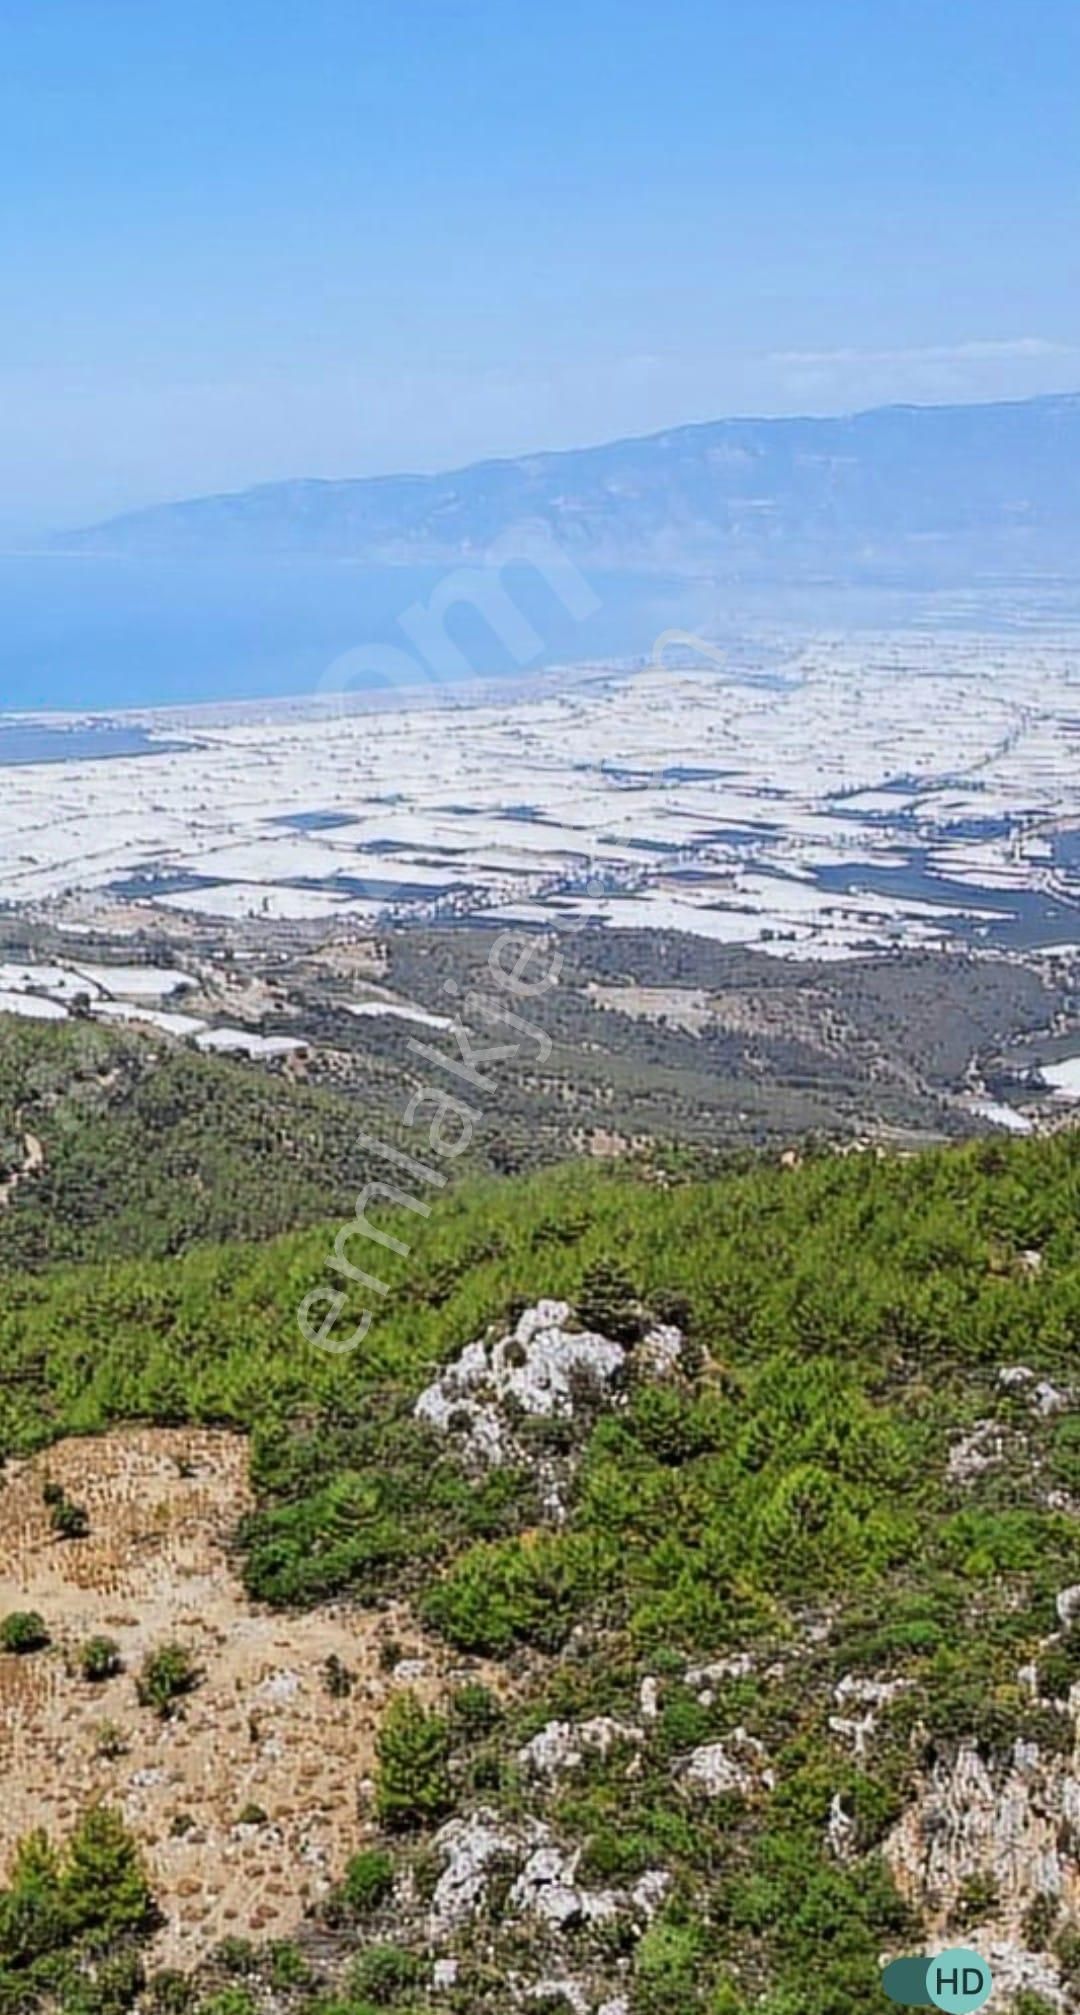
pixel 337 1678
pixel 115 1987
pixel 976 1900
pixel 1067 1954
pixel 33 1916
pixel 369 1880
pixel 110 1740
pixel 1059 1666
pixel 667 1966
pixel 229 2001
pixel 170 1992
pixel 288 1967
pixel 386 1972
pixel 165 1677
pixel 413 1781
pixel 68 1519
pixel 23 1631
pixel 474 1710
pixel 99 1659
pixel 104 1885
pixel 607 1301
pixel 1040 1918
pixel 516 1592
pixel 237 1956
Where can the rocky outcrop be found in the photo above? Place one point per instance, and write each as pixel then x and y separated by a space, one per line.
pixel 985 1445
pixel 1067 1605
pixel 989 1443
pixel 737 1764
pixel 840 1830
pixel 853 1693
pixel 470 1850
pixel 1008 1834
pixel 542 1368
pixel 1043 1397
pixel 703 1680
pixel 564 1745
pixel 545 1885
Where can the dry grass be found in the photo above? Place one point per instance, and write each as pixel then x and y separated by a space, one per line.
pixel 260 1730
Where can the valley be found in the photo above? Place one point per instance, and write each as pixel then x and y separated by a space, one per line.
pixel 819 800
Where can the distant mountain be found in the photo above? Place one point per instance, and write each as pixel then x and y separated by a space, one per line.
pixel 937 492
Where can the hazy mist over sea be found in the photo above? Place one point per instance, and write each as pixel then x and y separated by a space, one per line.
pixel 101 633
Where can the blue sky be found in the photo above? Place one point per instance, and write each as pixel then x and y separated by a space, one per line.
pixel 268 239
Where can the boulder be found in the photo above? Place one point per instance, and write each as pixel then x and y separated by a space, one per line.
pixel 470 1849
pixel 538 1369
pixel 1067 1605
pixel 734 1765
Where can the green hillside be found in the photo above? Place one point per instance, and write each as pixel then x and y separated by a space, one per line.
pixel 786 1500
pixel 149 1147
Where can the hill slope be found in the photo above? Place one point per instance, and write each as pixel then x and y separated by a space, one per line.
pixel 926 491
pixel 116 1143
pixel 780 1601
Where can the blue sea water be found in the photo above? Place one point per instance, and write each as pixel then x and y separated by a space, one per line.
pixel 94 633
pixel 98 633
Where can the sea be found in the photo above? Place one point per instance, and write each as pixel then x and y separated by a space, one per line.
pixel 100 634
pixel 95 633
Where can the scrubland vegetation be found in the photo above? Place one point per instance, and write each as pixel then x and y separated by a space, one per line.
pixel 785 1504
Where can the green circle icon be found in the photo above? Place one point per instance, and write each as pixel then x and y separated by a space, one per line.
pixel 958 1981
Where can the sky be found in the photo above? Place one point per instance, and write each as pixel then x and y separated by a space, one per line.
pixel 266 240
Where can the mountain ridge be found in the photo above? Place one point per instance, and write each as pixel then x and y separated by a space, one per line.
pixel 934 489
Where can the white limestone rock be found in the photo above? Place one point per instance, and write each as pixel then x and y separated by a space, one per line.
pixel 650 1891
pixel 571 1992
pixel 545 1885
pixel 470 1849
pixel 1048 1399
pixel 408 1670
pixel 1044 1397
pixel 536 1370
pixel 1067 1605
pixel 649 1699
pixel 853 1691
pixel 974 1452
pixel 659 1353
pixel 704 1679
pixel 546 1889
pixel 868 1692
pixel 564 1745
pixel 1011 1824
pixel 737 1764
pixel 840 1830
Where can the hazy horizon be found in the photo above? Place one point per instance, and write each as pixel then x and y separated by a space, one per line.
pixel 531 451
pixel 242 250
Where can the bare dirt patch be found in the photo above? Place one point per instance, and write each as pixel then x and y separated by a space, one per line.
pixel 353 958
pixel 261 1731
pixel 686 1008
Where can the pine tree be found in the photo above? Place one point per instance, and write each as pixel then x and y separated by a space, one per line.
pixel 413 1749
pixel 104 1885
